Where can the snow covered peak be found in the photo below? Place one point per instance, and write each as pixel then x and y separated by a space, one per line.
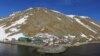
pixel 29 9
pixel 84 17
pixel 1 19
pixel 72 16
pixel 37 8
pixel 14 13
pixel 56 11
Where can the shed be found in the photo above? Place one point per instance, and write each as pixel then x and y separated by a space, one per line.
pixel 37 41
pixel 24 39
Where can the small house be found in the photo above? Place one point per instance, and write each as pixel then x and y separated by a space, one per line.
pixel 24 39
pixel 37 41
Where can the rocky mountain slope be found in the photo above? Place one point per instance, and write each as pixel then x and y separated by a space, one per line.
pixel 42 21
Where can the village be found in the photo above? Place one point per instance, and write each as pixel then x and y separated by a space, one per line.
pixel 44 39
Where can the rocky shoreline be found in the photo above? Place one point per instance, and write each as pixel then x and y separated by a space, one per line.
pixel 52 49
pixel 47 49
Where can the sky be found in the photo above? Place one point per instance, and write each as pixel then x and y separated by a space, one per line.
pixel 89 8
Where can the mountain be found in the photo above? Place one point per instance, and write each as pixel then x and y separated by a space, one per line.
pixel 45 22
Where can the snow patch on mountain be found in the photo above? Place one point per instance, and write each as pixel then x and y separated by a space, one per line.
pixel 20 21
pixel 56 11
pixel 14 29
pixel 31 14
pixel 83 35
pixel 95 24
pixel 86 26
pixel 45 11
pixel 84 17
pixel 59 18
pixel 66 37
pixel 69 36
pixel 42 29
pixel 71 16
pixel 16 36
pixel 92 36
pixel 1 19
pixel 3 34
pixel 14 13
pixel 90 39
pixel 29 9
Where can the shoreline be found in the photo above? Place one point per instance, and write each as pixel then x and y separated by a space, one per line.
pixel 48 49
